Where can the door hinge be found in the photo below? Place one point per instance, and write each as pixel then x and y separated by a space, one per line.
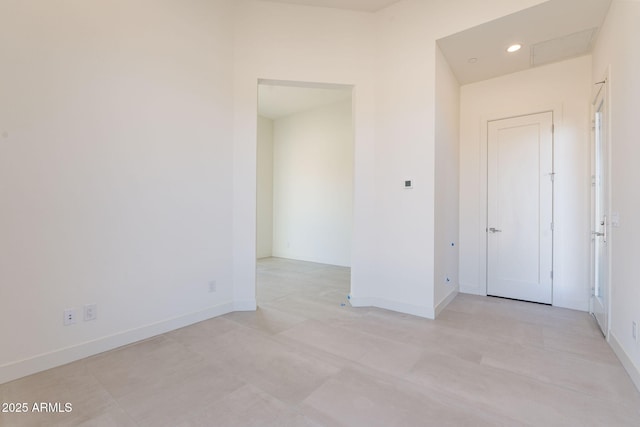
pixel 553 176
pixel 553 128
pixel 552 226
pixel 551 274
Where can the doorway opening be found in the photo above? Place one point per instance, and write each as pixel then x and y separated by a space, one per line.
pixel 305 170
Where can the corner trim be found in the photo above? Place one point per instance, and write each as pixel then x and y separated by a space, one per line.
pixel 474 289
pixel 627 362
pixel 245 305
pixel 15 370
pixel 445 302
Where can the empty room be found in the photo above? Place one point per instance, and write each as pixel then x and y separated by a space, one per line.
pixel 172 252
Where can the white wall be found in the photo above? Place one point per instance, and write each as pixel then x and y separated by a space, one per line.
pixel 115 167
pixel 295 43
pixel 447 171
pixel 313 185
pixel 405 129
pixel 565 88
pixel 617 48
pixel 390 59
pixel 128 157
pixel 265 188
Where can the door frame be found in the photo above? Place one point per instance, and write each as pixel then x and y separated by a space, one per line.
pixel 602 87
pixel 306 85
pixel 546 172
pixel 483 190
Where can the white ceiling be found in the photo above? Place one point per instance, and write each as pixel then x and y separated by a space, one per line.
pixel 549 32
pixel 360 5
pixel 277 100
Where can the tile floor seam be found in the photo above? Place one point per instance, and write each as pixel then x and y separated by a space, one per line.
pixel 112 397
pixel 516 374
pixel 302 359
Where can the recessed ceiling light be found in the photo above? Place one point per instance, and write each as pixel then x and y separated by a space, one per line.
pixel 472 60
pixel 514 48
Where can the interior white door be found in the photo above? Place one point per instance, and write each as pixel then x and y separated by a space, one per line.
pixel 520 208
pixel 600 270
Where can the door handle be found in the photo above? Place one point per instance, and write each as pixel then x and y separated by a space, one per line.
pixel 602 233
pixel 494 230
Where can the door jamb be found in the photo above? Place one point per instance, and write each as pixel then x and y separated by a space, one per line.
pixel 607 99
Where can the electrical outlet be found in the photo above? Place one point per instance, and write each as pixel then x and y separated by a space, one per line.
pixel 634 330
pixel 69 316
pixel 90 312
pixel 213 286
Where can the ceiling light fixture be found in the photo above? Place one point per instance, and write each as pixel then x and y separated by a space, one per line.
pixel 472 60
pixel 514 48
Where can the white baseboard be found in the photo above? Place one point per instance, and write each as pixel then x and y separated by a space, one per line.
pixel 445 302
pixel 245 305
pixel 400 307
pixel 42 362
pixel 627 362
pixel 474 289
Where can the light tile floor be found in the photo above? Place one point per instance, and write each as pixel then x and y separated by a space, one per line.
pixel 306 358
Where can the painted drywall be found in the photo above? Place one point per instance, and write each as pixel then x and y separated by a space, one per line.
pixel 115 170
pixel 313 185
pixel 129 157
pixel 616 48
pixel 295 43
pixel 389 57
pixel 264 214
pixel 405 144
pixel 447 171
pixel 565 89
